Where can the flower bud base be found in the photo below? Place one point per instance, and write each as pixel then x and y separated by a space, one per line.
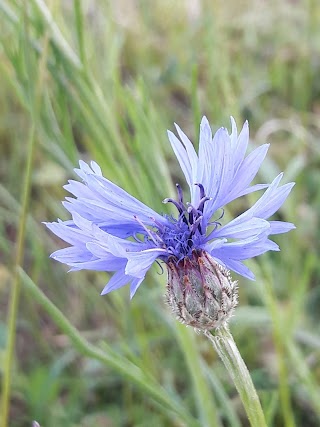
pixel 200 291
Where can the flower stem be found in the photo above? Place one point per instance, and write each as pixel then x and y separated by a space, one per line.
pixel 224 344
pixel 15 293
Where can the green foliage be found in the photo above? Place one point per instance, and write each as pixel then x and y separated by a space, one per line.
pixel 103 81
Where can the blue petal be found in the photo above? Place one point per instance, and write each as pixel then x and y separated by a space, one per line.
pixel 222 171
pixel 238 267
pixel 115 245
pixel 192 155
pixel 135 283
pixel 182 157
pixel 268 203
pixel 78 189
pixel 69 234
pixel 140 262
pixel 118 280
pixel 272 199
pixel 107 194
pixel 205 154
pixel 113 220
pixel 243 230
pixel 278 227
pixel 234 134
pixel 241 145
pixel 246 173
pixel 96 168
pixel 245 249
pixel 98 265
pixel 187 158
pixel 117 197
pixel 71 254
pixel 253 188
pixel 215 244
pixel 111 262
pixel 83 223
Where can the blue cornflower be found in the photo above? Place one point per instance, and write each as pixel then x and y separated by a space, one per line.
pixel 112 231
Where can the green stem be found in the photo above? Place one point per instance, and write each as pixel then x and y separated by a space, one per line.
pixel 79 28
pixel 280 324
pixel 225 346
pixel 56 33
pixel 172 407
pixel 15 293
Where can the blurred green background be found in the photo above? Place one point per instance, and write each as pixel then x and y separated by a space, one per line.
pixel 103 80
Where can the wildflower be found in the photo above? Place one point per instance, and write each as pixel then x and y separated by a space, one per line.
pixel 112 231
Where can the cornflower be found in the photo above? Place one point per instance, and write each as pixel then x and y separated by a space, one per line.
pixel 112 231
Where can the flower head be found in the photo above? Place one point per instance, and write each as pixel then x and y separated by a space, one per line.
pixel 112 231
pixel 200 291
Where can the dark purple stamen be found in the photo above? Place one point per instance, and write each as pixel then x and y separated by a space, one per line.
pixel 202 193
pixel 202 202
pixel 190 215
pixel 180 193
pixel 195 225
pixel 177 204
pixel 187 229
